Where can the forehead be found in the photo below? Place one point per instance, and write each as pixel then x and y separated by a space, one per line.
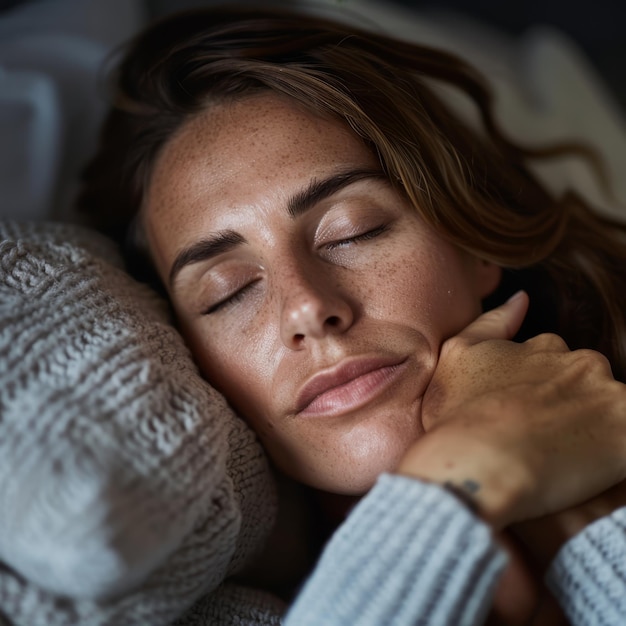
pixel 248 155
pixel 267 136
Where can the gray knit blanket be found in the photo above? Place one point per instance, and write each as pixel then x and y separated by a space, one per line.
pixel 129 491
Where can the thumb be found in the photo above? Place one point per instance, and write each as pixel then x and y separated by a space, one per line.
pixel 499 323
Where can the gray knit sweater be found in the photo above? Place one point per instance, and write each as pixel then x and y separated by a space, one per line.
pixel 130 493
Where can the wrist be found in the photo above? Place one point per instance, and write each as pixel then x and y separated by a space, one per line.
pixel 478 476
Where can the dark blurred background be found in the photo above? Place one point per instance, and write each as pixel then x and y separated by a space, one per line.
pixel 598 26
pixel 53 98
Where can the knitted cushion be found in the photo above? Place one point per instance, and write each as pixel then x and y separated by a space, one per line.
pixel 126 483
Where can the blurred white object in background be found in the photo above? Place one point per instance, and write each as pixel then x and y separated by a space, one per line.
pixel 51 102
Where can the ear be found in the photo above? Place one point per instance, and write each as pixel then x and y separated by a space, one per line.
pixel 488 277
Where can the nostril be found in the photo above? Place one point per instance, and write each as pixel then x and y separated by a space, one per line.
pixel 333 320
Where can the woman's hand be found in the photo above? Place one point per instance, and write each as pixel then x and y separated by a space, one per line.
pixel 522 430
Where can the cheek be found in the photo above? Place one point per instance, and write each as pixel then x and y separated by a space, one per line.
pixel 236 364
pixel 431 289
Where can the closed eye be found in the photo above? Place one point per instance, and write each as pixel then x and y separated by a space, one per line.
pixel 232 299
pixel 370 234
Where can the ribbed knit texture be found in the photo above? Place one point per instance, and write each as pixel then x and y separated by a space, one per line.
pixel 232 605
pixel 409 554
pixel 588 577
pixel 128 489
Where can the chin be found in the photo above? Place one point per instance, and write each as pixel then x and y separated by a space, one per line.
pixel 353 476
pixel 349 459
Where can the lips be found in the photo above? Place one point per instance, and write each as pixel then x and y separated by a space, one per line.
pixel 348 386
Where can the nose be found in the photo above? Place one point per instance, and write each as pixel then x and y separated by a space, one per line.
pixel 313 308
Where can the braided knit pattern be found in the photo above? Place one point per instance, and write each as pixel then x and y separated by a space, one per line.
pixel 128 488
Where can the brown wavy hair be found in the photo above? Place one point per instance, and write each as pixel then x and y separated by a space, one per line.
pixel 472 186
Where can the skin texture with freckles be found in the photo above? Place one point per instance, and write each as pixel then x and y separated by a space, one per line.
pixel 354 286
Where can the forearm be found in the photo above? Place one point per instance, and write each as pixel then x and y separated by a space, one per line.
pixel 408 553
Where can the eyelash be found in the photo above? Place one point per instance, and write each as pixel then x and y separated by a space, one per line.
pixel 230 300
pixel 370 234
pixel 238 295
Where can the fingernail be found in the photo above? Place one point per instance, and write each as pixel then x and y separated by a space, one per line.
pixel 516 296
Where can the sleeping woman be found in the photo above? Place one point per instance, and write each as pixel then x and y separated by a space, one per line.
pixel 401 311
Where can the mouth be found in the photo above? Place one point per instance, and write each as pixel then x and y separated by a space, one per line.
pixel 348 386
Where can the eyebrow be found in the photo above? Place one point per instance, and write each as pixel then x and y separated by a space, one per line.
pixel 205 249
pixel 316 191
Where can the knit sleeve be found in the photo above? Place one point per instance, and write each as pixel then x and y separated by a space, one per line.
pixel 128 488
pixel 409 553
pixel 588 576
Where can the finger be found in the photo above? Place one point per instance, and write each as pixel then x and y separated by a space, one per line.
pixel 502 322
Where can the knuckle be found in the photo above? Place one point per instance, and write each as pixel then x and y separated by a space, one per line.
pixel 592 360
pixel 586 370
pixel 548 341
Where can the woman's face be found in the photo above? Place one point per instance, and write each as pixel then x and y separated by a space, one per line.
pixel 310 292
